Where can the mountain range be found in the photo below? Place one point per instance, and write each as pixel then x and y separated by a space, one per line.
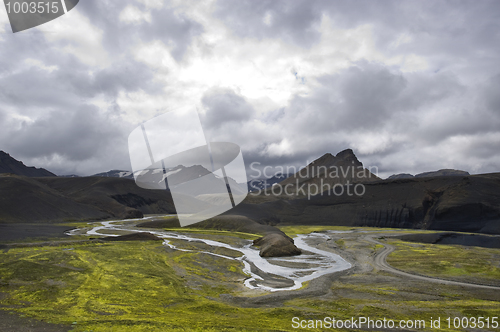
pixel 442 200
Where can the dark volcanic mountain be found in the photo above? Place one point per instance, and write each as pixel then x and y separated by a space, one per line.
pixel 461 202
pixel 11 165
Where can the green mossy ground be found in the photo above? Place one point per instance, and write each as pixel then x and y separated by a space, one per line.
pixel 127 286
pixel 292 231
pixel 298 229
pixel 470 264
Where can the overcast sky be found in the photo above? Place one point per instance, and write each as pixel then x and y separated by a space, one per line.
pixel 410 86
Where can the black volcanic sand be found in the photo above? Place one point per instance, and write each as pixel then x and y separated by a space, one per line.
pixel 12 322
pixel 21 232
pixel 134 237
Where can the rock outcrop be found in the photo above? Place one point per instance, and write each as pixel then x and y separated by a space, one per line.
pixel 276 245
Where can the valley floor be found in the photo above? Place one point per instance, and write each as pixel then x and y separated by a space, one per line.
pixel 146 286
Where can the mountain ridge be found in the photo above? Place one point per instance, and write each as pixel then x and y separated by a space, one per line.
pixel 441 172
pixel 8 164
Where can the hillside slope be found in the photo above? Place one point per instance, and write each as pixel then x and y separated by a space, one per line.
pixel 13 166
pixel 27 200
pixel 57 199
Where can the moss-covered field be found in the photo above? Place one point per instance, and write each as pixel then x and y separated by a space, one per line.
pixel 128 286
pixel 294 230
pixel 144 286
pixel 300 229
pixel 469 264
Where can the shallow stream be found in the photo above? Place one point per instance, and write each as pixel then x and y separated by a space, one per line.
pixel 270 274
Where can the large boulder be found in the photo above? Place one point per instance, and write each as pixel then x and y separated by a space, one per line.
pixel 276 245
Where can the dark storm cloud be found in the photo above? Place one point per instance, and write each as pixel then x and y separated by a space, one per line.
pixel 364 96
pixel 75 135
pixel 167 25
pixel 126 75
pixel 491 94
pixel 293 21
pixel 225 106
pixel 28 85
pixel 451 26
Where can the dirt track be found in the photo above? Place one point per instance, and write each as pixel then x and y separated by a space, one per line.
pixel 381 263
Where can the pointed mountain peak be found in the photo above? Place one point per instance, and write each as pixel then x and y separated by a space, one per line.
pixel 348 156
pixel 325 159
pixel 344 157
pixel 346 153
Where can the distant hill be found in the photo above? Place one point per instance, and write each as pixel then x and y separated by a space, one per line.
pixel 13 166
pixel 58 199
pixel 116 174
pixel 193 180
pixel 28 200
pixel 260 184
pixel 441 172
